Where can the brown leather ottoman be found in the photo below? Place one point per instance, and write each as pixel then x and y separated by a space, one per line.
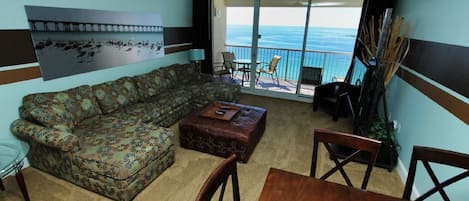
pixel 239 135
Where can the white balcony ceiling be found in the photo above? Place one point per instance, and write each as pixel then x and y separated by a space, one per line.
pixel 296 3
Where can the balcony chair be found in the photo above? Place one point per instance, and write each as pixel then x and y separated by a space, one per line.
pixel 364 147
pixel 339 96
pixel 440 157
pixel 220 177
pixel 271 70
pixel 229 66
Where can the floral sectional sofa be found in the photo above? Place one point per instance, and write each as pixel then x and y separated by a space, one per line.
pixel 111 138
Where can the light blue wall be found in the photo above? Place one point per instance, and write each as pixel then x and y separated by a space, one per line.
pixel 424 122
pixel 175 13
pixel 437 20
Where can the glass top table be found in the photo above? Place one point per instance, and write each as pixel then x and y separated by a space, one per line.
pixel 11 161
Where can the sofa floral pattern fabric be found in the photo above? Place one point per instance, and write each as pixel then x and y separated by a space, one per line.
pixel 117 148
pixel 46 136
pixel 80 101
pixel 54 116
pixel 116 144
pixel 113 95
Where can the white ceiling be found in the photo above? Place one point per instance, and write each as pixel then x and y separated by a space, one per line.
pixel 296 3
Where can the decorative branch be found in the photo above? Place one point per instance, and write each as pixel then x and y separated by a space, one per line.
pixel 395 46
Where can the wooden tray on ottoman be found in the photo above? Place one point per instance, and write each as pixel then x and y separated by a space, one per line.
pixel 228 111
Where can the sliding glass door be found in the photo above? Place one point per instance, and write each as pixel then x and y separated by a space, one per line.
pixel 280 39
pixel 239 40
pixel 282 51
pixel 329 46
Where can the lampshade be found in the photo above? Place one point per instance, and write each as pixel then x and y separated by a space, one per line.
pixel 196 54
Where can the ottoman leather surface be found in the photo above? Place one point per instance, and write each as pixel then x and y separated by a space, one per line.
pixel 240 135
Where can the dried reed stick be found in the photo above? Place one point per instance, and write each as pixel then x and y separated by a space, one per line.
pixel 395 47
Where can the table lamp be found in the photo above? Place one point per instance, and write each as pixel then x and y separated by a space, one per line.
pixel 196 56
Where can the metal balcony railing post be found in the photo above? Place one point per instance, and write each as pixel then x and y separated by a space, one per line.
pixel 324 64
pixel 286 66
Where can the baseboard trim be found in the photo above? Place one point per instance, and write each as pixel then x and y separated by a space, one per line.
pixel 402 171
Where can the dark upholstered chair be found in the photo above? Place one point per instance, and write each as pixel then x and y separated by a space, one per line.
pixel 339 96
pixel 220 177
pixel 361 144
pixel 438 156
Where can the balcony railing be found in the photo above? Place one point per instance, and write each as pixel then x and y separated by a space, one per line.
pixel 335 64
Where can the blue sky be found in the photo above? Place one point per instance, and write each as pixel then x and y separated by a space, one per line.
pixel 295 16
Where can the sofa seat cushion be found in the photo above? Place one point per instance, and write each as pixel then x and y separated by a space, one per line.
pixel 117 148
pixel 172 97
pixel 135 112
pixel 194 90
pixel 115 94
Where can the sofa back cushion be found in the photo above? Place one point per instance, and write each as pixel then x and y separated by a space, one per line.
pixel 79 101
pixel 159 80
pixel 169 76
pixel 115 94
pixel 184 73
pixel 151 84
pixel 54 116
pixel 32 101
pixel 146 87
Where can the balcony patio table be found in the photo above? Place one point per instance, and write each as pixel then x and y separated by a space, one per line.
pixel 246 68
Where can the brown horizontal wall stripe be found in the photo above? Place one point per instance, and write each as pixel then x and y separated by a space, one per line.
pixel 16 75
pixel 456 106
pixel 17 47
pixel 177 35
pixel 170 50
pixel 444 63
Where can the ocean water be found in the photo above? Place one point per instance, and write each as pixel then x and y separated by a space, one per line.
pixel 287 42
pixel 291 37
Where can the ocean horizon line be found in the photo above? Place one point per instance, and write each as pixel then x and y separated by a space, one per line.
pixel 268 25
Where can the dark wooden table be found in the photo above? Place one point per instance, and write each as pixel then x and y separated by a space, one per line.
pixel 282 185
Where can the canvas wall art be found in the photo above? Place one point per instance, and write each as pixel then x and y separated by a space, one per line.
pixel 69 41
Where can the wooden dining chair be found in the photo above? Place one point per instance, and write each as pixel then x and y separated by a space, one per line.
pixel 360 144
pixel 433 155
pixel 220 177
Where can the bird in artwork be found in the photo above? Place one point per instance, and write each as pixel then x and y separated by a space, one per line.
pixel 81 54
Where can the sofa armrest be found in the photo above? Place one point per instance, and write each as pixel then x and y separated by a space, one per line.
pixel 46 136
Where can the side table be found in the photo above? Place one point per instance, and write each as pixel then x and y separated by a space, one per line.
pixel 11 161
